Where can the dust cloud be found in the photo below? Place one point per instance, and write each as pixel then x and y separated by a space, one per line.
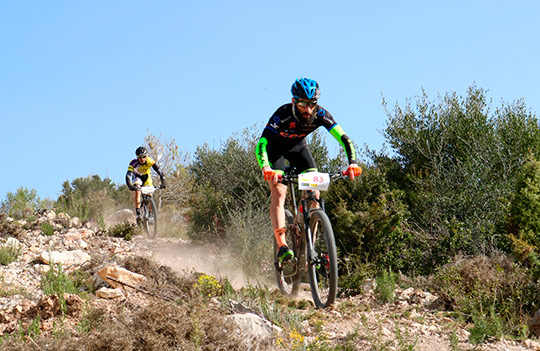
pixel 183 256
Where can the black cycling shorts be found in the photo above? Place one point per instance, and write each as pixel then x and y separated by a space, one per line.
pixel 298 156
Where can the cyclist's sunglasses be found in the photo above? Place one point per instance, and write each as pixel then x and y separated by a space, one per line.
pixel 141 156
pixel 305 104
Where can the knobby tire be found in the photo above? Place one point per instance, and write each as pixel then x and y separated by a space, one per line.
pixel 323 274
pixel 150 222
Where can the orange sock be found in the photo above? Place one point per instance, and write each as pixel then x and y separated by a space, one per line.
pixel 279 233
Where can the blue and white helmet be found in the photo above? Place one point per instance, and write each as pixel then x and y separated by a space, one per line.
pixel 305 88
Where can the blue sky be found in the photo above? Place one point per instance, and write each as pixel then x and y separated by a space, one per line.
pixel 83 82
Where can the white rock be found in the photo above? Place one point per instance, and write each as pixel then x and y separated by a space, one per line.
pixel 108 293
pixel 253 326
pixel 120 274
pixel 66 258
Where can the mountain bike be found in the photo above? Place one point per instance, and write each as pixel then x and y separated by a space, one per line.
pixel 149 218
pixel 311 237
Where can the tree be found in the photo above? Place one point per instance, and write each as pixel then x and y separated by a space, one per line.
pixel 461 162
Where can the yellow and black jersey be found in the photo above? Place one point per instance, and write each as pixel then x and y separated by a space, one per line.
pixel 141 169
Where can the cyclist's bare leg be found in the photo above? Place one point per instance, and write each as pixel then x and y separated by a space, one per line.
pixel 137 199
pixel 277 211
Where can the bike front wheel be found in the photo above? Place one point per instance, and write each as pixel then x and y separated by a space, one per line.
pixel 323 274
pixel 150 222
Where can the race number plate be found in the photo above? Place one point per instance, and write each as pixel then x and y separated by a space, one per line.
pixel 313 181
pixel 148 189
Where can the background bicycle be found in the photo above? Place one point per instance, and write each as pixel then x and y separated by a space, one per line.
pixel 149 212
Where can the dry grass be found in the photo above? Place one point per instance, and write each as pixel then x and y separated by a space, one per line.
pixel 173 316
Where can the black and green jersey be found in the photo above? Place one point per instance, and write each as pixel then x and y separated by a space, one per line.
pixel 284 131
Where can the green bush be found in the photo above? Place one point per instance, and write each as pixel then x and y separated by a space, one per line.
pixel 8 254
pixel 22 203
pixel 370 225
pixel 228 179
pixel 523 221
pixel 55 281
pixel 92 197
pixel 386 284
pixel 47 229
pixel 461 163
pixel 481 287
pixel 124 230
pixel 486 325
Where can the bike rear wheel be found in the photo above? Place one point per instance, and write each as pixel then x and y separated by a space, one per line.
pixel 287 274
pixel 323 274
pixel 150 222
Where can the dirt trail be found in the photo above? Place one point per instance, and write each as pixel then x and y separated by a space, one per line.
pixel 424 330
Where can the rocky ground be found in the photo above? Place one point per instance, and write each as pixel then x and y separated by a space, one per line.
pixel 407 324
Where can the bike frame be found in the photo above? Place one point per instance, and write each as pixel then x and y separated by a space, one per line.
pixel 308 196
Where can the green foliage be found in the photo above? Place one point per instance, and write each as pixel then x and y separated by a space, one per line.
pixel 22 203
pixel 370 222
pixel 386 284
pixel 92 197
pixel 208 286
pixel 124 230
pixel 227 179
pixel 486 325
pixel 33 329
pixel 460 163
pixel 8 254
pixel 481 288
pixel 47 229
pixel 55 281
pixel 523 221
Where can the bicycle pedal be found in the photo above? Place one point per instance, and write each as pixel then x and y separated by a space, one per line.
pixel 288 266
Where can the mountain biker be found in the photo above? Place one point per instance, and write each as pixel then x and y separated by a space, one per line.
pixel 138 175
pixel 284 138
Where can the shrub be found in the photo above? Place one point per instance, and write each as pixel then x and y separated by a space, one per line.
pixel 8 254
pixel 475 286
pixel 21 203
pixel 386 284
pixel 92 197
pixel 55 281
pixel 461 161
pixel 523 221
pixel 124 230
pixel 47 229
pixel 228 179
pixel 370 222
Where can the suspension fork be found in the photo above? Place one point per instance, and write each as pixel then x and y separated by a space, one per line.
pixel 311 253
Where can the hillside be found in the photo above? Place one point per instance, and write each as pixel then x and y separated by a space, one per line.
pixel 166 298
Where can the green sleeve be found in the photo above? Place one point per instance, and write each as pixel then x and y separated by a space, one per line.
pixel 345 142
pixel 260 152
